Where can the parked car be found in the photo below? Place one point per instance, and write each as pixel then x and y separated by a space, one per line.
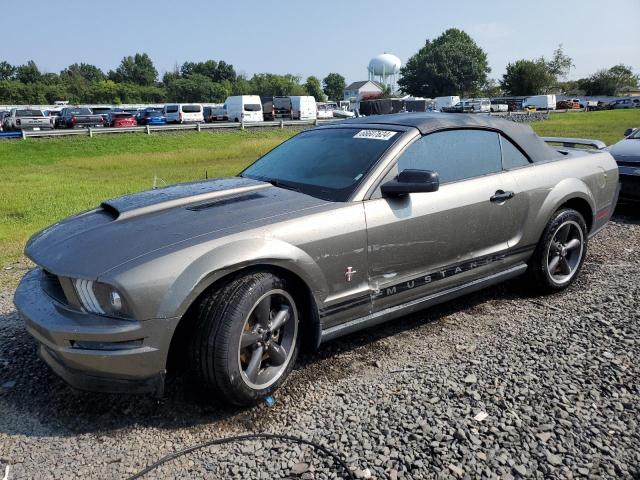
pixel 325 109
pixel 567 105
pixel 303 107
pixel 540 102
pixel 78 117
pixel 626 103
pixel 53 116
pixel 215 113
pixel 627 155
pixel 151 116
pixel 478 105
pixel 278 107
pixel 283 107
pixel 26 119
pixel 322 236
pixel 464 106
pixel 3 113
pixel 245 108
pixel 121 119
pixel 499 107
pixel 267 108
pixel 184 113
pixel 104 111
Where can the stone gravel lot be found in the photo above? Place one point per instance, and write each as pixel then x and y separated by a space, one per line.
pixel 499 384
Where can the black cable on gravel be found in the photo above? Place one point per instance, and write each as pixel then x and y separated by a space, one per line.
pixel 243 438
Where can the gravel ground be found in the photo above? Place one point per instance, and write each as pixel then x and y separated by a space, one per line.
pixel 497 384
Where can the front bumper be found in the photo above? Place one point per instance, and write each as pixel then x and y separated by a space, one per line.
pixel 114 355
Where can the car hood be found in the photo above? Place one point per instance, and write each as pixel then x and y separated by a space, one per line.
pixel 124 228
pixel 628 149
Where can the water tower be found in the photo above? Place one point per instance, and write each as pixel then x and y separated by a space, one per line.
pixel 384 69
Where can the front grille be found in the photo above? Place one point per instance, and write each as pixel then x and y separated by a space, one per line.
pixel 52 287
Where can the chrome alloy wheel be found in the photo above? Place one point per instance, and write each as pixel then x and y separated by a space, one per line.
pixel 268 339
pixel 565 251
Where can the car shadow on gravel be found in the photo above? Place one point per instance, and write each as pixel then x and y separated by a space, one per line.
pixel 627 213
pixel 41 404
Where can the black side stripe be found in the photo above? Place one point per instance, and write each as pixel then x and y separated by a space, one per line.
pixel 423 280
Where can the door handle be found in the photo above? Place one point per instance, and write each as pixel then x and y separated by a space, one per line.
pixel 501 196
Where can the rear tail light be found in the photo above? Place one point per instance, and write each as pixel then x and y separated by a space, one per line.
pixel 18 121
pixel 74 120
pixel 180 115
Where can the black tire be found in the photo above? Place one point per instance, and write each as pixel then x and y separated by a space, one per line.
pixel 219 362
pixel 548 275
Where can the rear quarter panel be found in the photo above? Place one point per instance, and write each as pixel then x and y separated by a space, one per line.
pixel 590 176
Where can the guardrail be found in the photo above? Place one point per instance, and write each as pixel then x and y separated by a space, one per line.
pixel 148 129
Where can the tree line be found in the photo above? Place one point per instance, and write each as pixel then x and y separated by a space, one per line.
pixel 136 80
pixel 453 64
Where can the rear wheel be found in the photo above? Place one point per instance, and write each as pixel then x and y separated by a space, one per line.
pixel 247 338
pixel 559 256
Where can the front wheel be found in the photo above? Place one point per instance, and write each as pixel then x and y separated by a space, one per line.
pixel 247 338
pixel 559 255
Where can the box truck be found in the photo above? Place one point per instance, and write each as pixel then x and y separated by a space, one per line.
pixel 541 102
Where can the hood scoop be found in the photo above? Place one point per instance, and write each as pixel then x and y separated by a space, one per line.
pixel 180 195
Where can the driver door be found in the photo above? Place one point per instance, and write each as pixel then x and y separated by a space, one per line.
pixel 423 243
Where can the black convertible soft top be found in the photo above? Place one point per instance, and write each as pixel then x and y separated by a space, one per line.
pixel 523 135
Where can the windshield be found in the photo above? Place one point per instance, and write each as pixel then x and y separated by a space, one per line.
pixel 153 114
pixel 252 107
pixel 29 113
pixel 191 108
pixel 328 163
pixel 79 111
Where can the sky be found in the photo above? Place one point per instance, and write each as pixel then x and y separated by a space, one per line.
pixel 314 38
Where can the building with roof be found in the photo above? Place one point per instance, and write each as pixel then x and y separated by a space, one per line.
pixel 363 90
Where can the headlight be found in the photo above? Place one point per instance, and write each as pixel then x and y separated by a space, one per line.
pixel 100 298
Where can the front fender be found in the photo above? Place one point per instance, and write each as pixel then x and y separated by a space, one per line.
pixel 203 271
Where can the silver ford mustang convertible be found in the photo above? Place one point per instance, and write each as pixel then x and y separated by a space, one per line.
pixel 340 228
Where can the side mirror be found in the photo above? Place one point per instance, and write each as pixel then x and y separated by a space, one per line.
pixel 411 181
pixel 628 132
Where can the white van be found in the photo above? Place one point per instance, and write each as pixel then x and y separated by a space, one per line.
pixel 183 113
pixel 244 108
pixel 541 102
pixel 303 107
pixel 442 102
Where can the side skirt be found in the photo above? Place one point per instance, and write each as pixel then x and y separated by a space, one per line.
pixel 418 304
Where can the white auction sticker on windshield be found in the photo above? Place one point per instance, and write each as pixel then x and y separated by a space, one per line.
pixel 375 134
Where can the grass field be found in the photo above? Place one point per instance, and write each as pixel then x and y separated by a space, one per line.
pixel 43 180
pixel 608 125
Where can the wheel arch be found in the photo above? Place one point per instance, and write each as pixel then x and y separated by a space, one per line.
pixel 569 193
pixel 580 205
pixel 311 327
pixel 223 264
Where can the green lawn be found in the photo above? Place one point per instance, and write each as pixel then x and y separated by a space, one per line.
pixel 44 180
pixel 608 125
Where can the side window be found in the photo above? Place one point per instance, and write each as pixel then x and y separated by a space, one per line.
pixel 511 156
pixel 455 154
